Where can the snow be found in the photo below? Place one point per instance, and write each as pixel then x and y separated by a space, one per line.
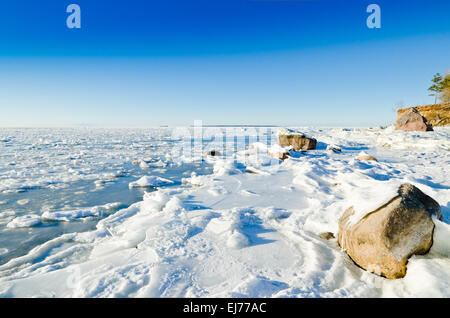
pixel 370 196
pixel 363 154
pixel 282 131
pixel 276 148
pixel 195 180
pixel 441 239
pixel 248 229
pixel 237 240
pixel 149 181
pixel 227 167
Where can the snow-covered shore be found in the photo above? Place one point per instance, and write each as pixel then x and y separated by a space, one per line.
pixel 249 229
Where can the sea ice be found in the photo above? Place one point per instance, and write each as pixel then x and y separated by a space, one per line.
pixel 24 221
pixel 70 215
pixel 149 181
pixel 249 229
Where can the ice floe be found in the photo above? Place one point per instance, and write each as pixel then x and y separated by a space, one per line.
pixel 70 215
pixel 149 181
pixel 24 221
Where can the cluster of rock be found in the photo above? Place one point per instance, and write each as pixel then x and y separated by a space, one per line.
pixel 383 240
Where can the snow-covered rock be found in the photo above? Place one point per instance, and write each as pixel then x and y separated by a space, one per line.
pixel 298 140
pixel 363 156
pixel 382 241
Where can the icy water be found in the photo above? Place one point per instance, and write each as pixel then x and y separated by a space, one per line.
pixel 19 241
pixel 63 170
pixel 60 170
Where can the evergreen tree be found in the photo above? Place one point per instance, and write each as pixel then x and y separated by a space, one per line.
pixel 437 87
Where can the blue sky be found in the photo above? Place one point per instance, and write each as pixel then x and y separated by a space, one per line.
pixel 143 63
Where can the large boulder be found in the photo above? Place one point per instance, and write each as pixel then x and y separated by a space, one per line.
pixel 383 240
pixel 412 120
pixel 436 115
pixel 299 141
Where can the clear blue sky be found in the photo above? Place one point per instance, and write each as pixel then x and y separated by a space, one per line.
pixel 139 63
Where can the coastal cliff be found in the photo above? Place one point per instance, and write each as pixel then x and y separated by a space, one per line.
pixel 437 115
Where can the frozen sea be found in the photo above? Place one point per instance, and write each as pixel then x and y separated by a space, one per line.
pixel 76 169
pixel 141 213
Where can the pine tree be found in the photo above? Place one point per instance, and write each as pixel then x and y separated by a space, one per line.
pixel 437 87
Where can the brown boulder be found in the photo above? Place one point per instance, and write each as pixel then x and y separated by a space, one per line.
pixel 383 240
pixel 299 141
pixel 412 120
pixel 436 115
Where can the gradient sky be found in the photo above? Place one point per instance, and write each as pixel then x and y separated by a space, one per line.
pixel 139 63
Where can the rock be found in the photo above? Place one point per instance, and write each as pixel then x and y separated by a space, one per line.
pixel 436 115
pixel 280 155
pixel 383 240
pixel 212 153
pixel 288 137
pixel 333 148
pixel 326 235
pixel 365 157
pixel 412 120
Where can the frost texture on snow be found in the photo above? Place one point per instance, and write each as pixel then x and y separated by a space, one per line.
pixel 249 229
